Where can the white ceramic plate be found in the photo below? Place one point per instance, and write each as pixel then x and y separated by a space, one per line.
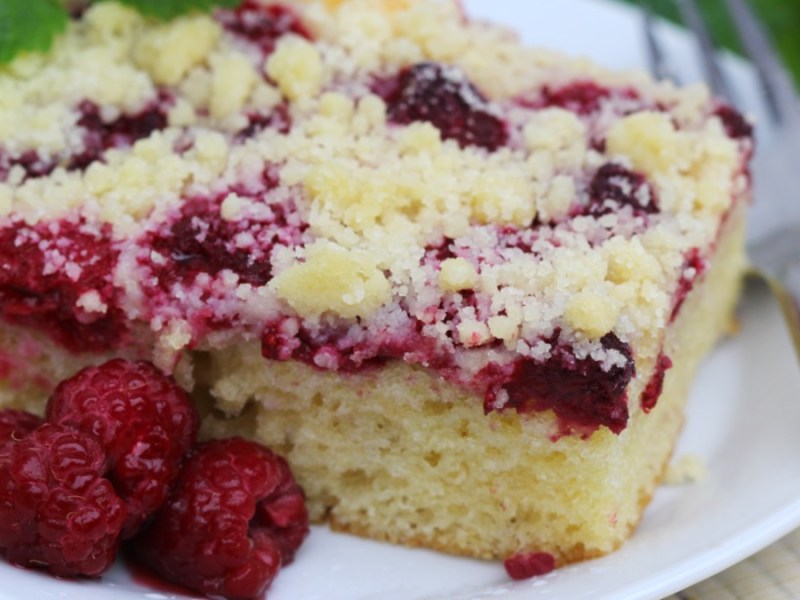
pixel 744 417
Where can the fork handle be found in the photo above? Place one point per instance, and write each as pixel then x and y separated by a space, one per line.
pixel 786 289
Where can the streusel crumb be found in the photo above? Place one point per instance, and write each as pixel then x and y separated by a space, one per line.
pixel 365 171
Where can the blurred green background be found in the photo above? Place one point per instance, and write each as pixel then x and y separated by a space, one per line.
pixel 782 18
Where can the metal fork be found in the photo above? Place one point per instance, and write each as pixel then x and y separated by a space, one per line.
pixel 773 240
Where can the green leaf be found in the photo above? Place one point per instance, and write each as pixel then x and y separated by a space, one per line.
pixel 164 10
pixel 29 26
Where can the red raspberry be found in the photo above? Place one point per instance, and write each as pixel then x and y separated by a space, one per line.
pixel 16 424
pixel 146 423
pixel 445 98
pixel 235 515
pixel 56 509
pixel 531 564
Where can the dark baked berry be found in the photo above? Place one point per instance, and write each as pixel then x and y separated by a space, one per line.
pixel 201 241
pixel 57 511
pixel 654 387
pixel 262 24
pixel 531 564
pixel 16 424
pixel 736 125
pixel 582 97
pixel 234 516
pixel 100 135
pixel 278 119
pixel 580 391
pixel 55 276
pixel 145 422
pixel 614 187
pixel 694 265
pixel 32 163
pixel 443 96
pixel 96 136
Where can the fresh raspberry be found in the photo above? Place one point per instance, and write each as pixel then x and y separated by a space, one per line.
pixel 613 187
pixel 234 516
pixel 47 269
pixel 531 564
pixel 146 423
pixel 262 24
pixel 16 424
pixel 57 511
pixel 445 98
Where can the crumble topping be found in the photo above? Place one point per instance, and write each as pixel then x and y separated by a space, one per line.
pixel 297 69
pixel 167 52
pixel 333 279
pixel 351 181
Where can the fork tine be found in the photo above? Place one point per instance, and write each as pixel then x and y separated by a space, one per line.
pixel 655 53
pixel 776 82
pixel 713 70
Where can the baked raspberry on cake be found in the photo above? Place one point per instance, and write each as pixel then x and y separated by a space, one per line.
pixel 462 285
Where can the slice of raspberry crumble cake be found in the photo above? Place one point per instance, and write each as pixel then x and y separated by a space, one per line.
pixel 462 285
